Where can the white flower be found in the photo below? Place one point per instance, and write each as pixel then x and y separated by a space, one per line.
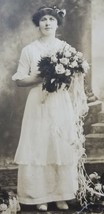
pixel 63 11
pixel 60 69
pixel 98 187
pixel 67 47
pixel 73 50
pixel 64 61
pixel 67 72
pixel 47 55
pixel 85 66
pixel 67 53
pixel 52 80
pixel 74 64
pixel 79 54
pixel 75 57
pixel 3 207
pixel 54 59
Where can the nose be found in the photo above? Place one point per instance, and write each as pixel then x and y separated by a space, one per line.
pixel 47 22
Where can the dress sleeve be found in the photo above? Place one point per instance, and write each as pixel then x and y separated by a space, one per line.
pixel 23 67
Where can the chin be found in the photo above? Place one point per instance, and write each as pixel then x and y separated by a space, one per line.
pixel 48 34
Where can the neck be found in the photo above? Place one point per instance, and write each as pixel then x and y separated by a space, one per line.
pixel 47 38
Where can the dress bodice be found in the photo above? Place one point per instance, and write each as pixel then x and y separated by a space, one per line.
pixel 31 54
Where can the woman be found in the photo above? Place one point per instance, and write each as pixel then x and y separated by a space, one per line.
pixel 46 152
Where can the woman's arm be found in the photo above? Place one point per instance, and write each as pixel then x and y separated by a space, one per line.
pixel 31 80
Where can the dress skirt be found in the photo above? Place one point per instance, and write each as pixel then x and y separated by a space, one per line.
pixel 42 184
pixel 46 152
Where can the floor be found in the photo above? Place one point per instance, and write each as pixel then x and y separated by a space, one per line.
pixel 73 209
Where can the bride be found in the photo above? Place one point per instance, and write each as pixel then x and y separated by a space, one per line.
pixel 48 150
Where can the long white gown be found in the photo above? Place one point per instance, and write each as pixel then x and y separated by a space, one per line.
pixel 46 153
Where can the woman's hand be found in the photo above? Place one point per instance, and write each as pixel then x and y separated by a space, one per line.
pixel 29 81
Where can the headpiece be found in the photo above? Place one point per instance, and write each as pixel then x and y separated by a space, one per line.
pixel 54 11
pixel 61 12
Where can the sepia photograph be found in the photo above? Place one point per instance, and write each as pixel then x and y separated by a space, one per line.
pixel 51 106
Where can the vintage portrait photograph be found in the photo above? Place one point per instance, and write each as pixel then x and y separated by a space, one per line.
pixel 51 106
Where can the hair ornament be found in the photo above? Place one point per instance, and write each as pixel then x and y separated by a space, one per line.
pixel 61 12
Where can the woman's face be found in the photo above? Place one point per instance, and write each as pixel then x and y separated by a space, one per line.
pixel 48 25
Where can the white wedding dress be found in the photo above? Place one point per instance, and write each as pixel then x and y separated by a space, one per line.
pixel 46 153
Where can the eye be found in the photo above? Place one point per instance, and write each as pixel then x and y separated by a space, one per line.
pixel 43 19
pixel 52 18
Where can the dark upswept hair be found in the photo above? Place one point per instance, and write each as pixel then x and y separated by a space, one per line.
pixel 47 11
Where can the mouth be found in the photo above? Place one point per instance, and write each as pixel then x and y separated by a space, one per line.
pixel 48 28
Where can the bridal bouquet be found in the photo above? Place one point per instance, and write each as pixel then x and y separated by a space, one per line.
pixel 58 69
